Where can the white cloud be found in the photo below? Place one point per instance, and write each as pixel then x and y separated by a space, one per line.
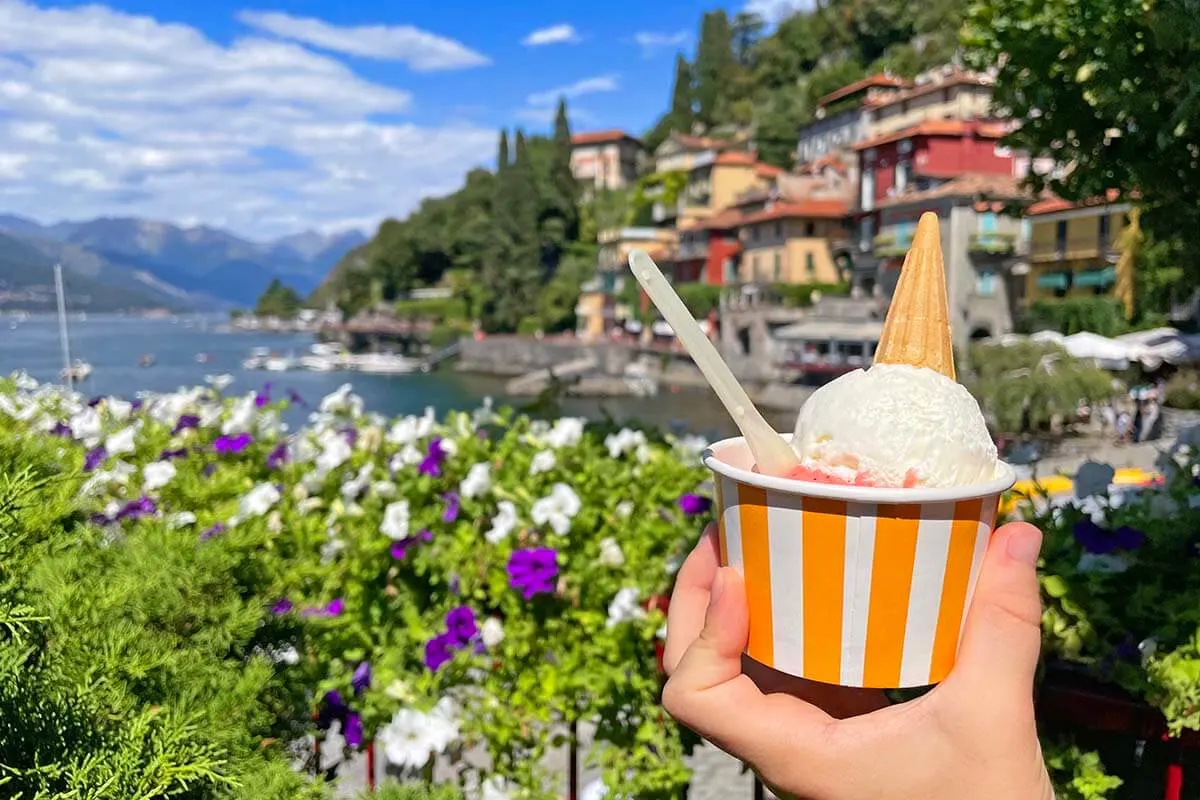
pixel 600 83
pixel 421 50
pixel 773 11
pixel 555 34
pixel 652 42
pixel 107 113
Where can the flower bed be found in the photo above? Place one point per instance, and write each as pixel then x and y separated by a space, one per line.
pixel 488 579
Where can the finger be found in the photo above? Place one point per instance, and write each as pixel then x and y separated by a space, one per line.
pixel 709 694
pixel 689 600
pixel 998 657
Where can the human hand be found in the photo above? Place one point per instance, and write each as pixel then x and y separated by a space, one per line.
pixel 972 736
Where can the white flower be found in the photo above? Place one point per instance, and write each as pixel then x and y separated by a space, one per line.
pixel 494 788
pixel 396 518
pixel 257 501
pixel 242 415
pixel 690 446
pixel 342 401
pixel 596 790
pixel 543 462
pixel 219 382
pixel 611 554
pixel 408 456
pixel 557 509
pixel 118 408
pixel 566 432
pixel 624 509
pixel 24 382
pixel 491 632
pixel 384 488
pixel 181 519
pixel 623 441
pixel 1102 563
pixel 477 482
pixel 122 441
pixel 86 426
pixel 335 451
pixel 403 431
pixel 625 607
pixel 8 406
pixel 157 474
pixel 503 523
pixel 283 655
pixel 353 488
pixel 331 548
pixel 413 737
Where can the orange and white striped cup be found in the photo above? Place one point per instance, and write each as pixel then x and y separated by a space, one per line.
pixel 852 585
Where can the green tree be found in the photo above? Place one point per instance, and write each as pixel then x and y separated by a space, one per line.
pixel 499 249
pixel 278 300
pixel 520 272
pixel 713 68
pixel 1108 89
pixel 560 213
pixel 682 114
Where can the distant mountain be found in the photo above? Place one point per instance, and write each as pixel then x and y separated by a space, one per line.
pixel 203 264
pixel 27 283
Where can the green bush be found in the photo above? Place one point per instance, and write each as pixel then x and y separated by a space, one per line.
pixel 700 298
pixel 1102 315
pixel 801 295
pixel 1183 390
pixel 441 309
pixel 397 791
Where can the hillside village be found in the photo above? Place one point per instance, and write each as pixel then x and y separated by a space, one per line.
pixel 880 152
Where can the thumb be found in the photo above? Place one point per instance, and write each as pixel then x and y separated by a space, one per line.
pixel 999 652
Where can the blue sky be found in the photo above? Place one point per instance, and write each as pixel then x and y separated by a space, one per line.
pixel 267 119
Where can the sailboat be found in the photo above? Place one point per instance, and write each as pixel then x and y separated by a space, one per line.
pixel 72 371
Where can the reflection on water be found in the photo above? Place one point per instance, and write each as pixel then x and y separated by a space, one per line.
pixel 173 348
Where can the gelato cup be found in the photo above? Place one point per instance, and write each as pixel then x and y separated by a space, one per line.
pixel 850 585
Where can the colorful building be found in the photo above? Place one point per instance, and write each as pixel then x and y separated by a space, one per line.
pixel 708 252
pixel 1075 249
pixel 605 160
pixel 840 120
pixel 599 309
pixel 789 242
pixel 946 93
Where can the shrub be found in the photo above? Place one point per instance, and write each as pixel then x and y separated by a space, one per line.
pixel 1183 390
pixel 1102 315
pixel 801 295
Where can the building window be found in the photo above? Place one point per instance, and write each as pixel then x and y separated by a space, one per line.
pixel 1104 231
pixel 1060 237
pixel 985 284
pixel 903 175
pixel 777 267
pixel 904 146
pixel 810 228
pixel 867 201
pixel 778 230
pixel 810 264
pixel 755 233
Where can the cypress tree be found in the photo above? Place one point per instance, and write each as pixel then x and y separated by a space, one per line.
pixel 682 115
pixel 515 283
pixel 498 252
pixel 714 67
pixel 560 214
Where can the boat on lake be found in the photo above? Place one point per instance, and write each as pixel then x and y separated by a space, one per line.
pixel 384 364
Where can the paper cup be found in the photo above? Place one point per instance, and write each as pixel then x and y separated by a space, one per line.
pixel 852 585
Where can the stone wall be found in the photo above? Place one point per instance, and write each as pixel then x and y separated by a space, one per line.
pixel 518 355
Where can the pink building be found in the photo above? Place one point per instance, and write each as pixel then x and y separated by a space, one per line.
pixel 605 159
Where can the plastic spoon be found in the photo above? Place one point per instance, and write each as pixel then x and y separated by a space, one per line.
pixel 772 454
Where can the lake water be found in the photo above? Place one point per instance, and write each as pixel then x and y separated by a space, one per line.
pixel 113 345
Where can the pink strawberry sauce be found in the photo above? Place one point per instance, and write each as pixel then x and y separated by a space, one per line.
pixel 803 473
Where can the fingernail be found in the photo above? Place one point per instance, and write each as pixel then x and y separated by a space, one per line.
pixel 718 587
pixel 1024 544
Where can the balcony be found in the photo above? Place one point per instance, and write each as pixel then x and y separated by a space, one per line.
pixel 1075 247
pixel 887 245
pixel 998 245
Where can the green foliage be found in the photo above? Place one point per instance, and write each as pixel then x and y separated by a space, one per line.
pixel 1006 379
pixel 1113 84
pixel 682 114
pixel 700 298
pixel 278 300
pixel 1077 774
pixel 801 295
pixel 446 309
pixel 1102 315
pixel 1159 276
pixel 396 791
pixel 713 69
pixel 1183 390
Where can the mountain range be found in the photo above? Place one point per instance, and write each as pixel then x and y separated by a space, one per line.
pixel 114 263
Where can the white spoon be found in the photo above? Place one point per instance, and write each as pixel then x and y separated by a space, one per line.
pixel 772 454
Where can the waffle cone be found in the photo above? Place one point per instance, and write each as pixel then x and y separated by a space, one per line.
pixel 917 328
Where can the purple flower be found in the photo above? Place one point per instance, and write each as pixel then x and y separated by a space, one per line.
pixel 278 456
pixel 335 607
pixel 361 679
pixel 136 509
pixel 294 397
pixel 94 459
pixel 169 455
pixel 454 584
pixel 694 504
pixel 352 730
pixel 400 549
pixel 213 532
pixel 431 465
pixel 450 513
pixel 99 519
pixel 95 401
pixel 61 429
pixel 1096 539
pixel 333 708
pixel 351 435
pixel 263 397
pixel 533 571
pixel 460 623
pixel 282 606
pixel 186 422
pixel 208 470
pixel 136 405
pixel 232 444
pixel 438 651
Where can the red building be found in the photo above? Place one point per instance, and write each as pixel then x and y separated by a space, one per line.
pixel 921 157
pixel 708 252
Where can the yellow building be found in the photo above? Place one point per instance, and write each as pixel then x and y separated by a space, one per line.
pixel 788 242
pixel 945 93
pixel 1074 251
pixel 597 311
pixel 717 181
